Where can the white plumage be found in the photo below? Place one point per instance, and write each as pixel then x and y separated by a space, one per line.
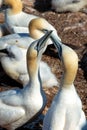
pixel 14 64
pixel 16 21
pixel 22 41
pixel 68 5
pixel 66 111
pixel 20 105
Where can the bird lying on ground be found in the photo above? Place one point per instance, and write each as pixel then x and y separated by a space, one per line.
pixel 68 5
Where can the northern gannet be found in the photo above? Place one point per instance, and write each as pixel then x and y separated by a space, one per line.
pixel 68 5
pixel 35 27
pixel 16 21
pixel 38 26
pixel 21 105
pixel 66 111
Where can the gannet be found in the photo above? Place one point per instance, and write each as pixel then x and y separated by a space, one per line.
pixel 38 26
pixel 13 61
pixel 68 5
pixel 66 111
pixel 21 105
pixel 22 40
pixel 35 27
pixel 16 21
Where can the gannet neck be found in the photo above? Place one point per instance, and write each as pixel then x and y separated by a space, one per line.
pixel 15 6
pixel 32 65
pixel 34 54
pixel 37 25
pixel 70 63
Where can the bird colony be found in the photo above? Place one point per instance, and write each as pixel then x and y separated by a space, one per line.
pixel 24 38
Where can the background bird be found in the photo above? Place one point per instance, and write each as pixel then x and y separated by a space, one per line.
pixel 68 5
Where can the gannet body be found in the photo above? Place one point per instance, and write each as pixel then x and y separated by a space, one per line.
pixel 13 61
pixel 66 111
pixel 68 5
pixel 22 40
pixel 16 21
pixel 21 105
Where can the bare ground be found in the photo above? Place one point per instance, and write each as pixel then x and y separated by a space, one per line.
pixel 72 29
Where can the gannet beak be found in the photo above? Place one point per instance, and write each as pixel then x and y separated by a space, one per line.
pixel 58 45
pixel 42 41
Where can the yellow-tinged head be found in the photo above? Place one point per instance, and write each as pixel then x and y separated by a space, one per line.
pixel 35 51
pixel 15 5
pixel 36 27
pixel 70 63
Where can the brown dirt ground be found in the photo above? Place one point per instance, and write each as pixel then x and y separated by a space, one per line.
pixel 72 29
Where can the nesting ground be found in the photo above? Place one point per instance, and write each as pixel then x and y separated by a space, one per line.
pixel 72 29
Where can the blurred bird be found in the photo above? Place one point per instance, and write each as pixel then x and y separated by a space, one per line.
pixel 18 106
pixel 16 21
pixel 13 61
pixel 68 5
pixel 66 111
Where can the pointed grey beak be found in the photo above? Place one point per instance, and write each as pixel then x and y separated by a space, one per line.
pixel 42 41
pixel 58 45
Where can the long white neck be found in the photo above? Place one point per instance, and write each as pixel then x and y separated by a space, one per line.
pixel 33 70
pixel 70 64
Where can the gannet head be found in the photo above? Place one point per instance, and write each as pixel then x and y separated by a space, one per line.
pixel 12 51
pixel 57 43
pixel 34 54
pixel 15 6
pixel 36 49
pixel 37 27
pixel 69 60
